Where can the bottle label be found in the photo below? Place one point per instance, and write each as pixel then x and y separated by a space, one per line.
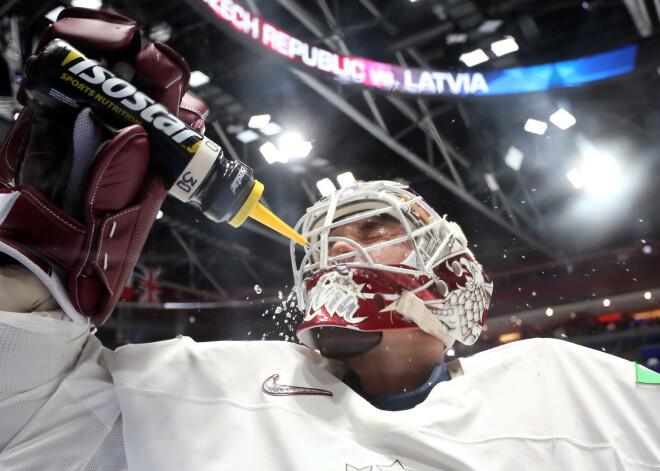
pixel 242 173
pixel 198 167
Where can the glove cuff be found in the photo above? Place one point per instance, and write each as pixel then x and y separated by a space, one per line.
pixel 49 279
pixel 85 269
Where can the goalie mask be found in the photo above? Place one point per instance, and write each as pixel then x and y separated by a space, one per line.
pixel 360 290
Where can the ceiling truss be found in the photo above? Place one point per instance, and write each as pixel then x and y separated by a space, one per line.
pixel 422 119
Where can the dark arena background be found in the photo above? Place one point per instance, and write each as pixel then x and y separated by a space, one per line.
pixel 533 124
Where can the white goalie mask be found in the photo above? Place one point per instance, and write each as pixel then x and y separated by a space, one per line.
pixel 439 287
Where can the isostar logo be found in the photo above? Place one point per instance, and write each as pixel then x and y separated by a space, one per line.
pixel 338 294
pixel 131 104
pixel 238 180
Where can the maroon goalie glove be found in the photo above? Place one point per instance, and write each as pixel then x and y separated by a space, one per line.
pixel 85 264
pixel 83 239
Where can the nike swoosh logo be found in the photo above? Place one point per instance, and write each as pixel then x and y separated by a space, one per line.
pixel 271 387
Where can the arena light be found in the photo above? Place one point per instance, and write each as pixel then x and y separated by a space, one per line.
pixel 271 129
pixel 326 187
pixel 607 302
pixel 161 32
pixel 602 173
pixel 293 146
pixel 504 46
pixel 456 38
pixel 259 121
pixel 536 127
pixel 234 128
pixel 491 182
pixel 514 158
pixel 473 58
pixel 247 136
pixel 53 14
pixel 489 26
pixel 272 153
pixel 576 178
pixel 648 295
pixel 92 4
pixel 562 119
pixel 549 312
pixel 198 78
pixel 345 179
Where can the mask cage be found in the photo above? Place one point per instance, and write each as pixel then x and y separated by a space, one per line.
pixel 431 237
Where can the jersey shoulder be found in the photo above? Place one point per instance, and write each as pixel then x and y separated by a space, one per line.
pixel 213 367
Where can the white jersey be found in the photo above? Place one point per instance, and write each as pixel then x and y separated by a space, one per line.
pixel 536 404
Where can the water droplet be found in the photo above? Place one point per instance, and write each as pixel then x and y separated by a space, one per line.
pixel 257 289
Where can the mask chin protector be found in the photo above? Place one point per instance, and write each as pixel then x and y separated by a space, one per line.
pixel 339 343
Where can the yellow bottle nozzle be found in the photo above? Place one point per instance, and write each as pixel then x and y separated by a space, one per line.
pixel 265 217
pixel 255 210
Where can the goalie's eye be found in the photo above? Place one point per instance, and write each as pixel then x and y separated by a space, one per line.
pixel 371 230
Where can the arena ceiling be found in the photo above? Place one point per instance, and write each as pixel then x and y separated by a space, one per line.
pixel 544 242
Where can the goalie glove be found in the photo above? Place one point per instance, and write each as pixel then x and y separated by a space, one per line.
pixel 77 199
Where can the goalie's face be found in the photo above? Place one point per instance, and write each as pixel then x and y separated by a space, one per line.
pixel 370 232
pixel 368 245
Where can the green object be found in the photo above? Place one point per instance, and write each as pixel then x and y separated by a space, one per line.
pixel 180 336
pixel 644 375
